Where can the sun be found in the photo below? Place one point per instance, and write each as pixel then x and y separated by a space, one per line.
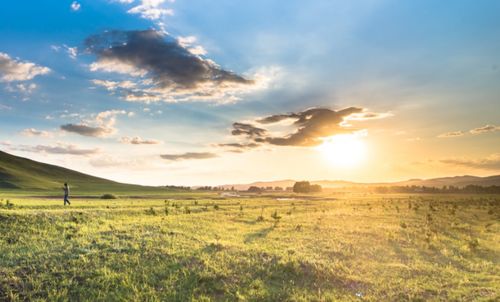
pixel 344 150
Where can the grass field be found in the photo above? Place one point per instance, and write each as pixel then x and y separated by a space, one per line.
pixel 251 248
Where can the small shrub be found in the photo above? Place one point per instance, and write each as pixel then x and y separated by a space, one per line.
pixel 473 244
pixel 109 196
pixel 216 206
pixel 151 211
pixel 261 217
pixel 275 215
pixel 9 204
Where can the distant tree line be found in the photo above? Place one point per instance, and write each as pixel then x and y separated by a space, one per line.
pixel 181 188
pixel 469 189
pixel 306 187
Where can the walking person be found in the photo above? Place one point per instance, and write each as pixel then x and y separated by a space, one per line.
pixel 66 194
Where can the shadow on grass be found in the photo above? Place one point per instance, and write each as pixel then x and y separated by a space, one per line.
pixel 262 233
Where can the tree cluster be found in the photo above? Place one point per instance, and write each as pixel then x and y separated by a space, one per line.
pixel 306 187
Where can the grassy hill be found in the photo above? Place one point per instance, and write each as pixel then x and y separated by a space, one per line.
pixel 18 173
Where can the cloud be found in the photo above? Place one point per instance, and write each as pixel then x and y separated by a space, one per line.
pixel 86 130
pixel 188 43
pixel 479 130
pixel 248 130
pixel 136 140
pixel 106 161
pixel 150 9
pixel 59 148
pixel 485 129
pixel 101 126
pixel 310 126
pixel 238 147
pixel 5 107
pixel 34 132
pixel 12 70
pixel 113 85
pixel 169 71
pixel 75 6
pixel 25 89
pixel 491 162
pixel 188 155
pixel 71 51
pixel 451 134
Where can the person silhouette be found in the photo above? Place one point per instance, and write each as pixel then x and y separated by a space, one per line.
pixel 66 194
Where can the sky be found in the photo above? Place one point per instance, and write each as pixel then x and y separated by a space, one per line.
pixel 199 92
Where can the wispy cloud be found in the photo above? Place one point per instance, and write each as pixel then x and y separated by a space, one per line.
pixel 478 130
pixel 491 162
pixel 12 70
pixel 59 148
pixel 136 140
pixel 34 132
pixel 452 134
pixel 485 129
pixel 188 155
pixel 238 147
pixel 71 51
pixel 113 85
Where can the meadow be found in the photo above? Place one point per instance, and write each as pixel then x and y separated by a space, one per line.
pixel 269 247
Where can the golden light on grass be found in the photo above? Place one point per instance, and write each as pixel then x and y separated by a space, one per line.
pixel 344 150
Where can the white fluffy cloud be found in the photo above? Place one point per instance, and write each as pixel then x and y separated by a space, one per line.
pixel 12 70
pixel 151 9
pixel 75 6
pixel 34 132
pixel 102 124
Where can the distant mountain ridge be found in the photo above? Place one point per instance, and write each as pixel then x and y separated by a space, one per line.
pixel 457 181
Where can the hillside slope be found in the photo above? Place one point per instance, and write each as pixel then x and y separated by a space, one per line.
pixel 25 174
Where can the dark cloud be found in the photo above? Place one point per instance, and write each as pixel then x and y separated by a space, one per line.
pixel 277 118
pixel 240 145
pixel 188 155
pixel 85 130
pixel 248 130
pixel 491 162
pixel 311 125
pixel 170 66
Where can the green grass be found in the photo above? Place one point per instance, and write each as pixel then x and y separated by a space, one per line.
pixel 24 176
pixel 204 248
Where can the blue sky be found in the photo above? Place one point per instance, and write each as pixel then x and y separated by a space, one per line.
pixel 428 71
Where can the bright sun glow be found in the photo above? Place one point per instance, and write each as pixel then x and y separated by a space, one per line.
pixel 344 150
